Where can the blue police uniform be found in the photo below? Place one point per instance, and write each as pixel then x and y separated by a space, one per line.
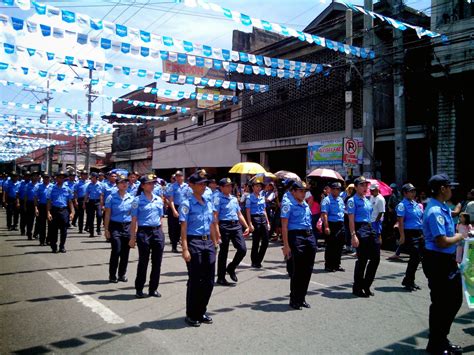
pixel 120 212
pixel 368 252
pixel 412 216
pixel 11 191
pixel 198 216
pixel 93 209
pixel 80 193
pixel 302 244
pixel 70 184
pixel 441 270
pixel 133 188
pixel 21 197
pixel 158 190
pixel 41 196
pixel 178 193
pixel 334 207
pixel 59 198
pixel 30 208
pixel 227 208
pixel 150 239
pixel 108 188
pixel 256 206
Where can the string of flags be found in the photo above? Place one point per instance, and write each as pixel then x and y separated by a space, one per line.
pixel 36 143
pixel 246 20
pixel 139 37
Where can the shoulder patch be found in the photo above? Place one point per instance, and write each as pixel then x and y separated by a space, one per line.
pixel 401 207
pixel 216 200
pixel 350 203
pixel 285 208
pixel 440 220
pixel 185 209
pixel 135 204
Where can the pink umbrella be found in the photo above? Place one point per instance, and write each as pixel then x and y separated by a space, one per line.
pixel 326 174
pixel 384 189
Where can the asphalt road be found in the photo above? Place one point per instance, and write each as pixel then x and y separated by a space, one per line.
pixel 63 303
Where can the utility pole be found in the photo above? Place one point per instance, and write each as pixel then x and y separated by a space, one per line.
pixel 368 94
pixel 349 107
pixel 399 100
pixel 75 146
pixel 89 117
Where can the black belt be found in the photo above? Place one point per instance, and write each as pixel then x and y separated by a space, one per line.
pixel 201 237
pixel 361 224
pixel 301 232
pixel 122 224
pixel 94 200
pixel 257 215
pixel 149 228
pixel 58 208
pixel 229 221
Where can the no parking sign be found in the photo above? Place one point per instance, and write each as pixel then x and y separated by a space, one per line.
pixel 349 152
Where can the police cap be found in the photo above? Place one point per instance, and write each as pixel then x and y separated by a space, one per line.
pixel 60 173
pixel 360 180
pixel 299 185
pixel 436 181
pixel 121 178
pixel 150 177
pixel 96 175
pixel 178 173
pixel 225 181
pixel 45 175
pixel 84 172
pixel 335 185
pixel 408 187
pixel 198 177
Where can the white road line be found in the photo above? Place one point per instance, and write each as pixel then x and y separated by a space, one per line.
pixel 105 313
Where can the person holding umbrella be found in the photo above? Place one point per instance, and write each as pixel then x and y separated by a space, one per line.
pixel 258 222
pixel 363 238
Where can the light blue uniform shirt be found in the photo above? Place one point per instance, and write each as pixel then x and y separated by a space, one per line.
pixel 120 208
pixel 70 184
pixel 30 191
pixel 411 213
pixel 298 214
pixel 227 207
pixel 22 189
pixel 133 188
pixel 158 190
pixel 361 208
pixel 94 190
pixel 41 192
pixel 334 207
pixel 179 192
pixel 437 221
pixel 197 216
pixel 209 194
pixel 108 188
pixel 12 188
pixel 148 212
pixel 256 204
pixel 59 196
pixel 80 188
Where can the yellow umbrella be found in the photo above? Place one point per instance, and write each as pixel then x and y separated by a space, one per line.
pixel 247 168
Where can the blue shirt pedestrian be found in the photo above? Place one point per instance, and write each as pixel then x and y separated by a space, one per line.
pixel 59 196
pixel 411 213
pixel 120 207
pixel 198 217
pixel 333 207
pixel 297 213
pixel 148 212
pixel 437 221
pixel 227 207
pixel 41 192
pixel 256 203
pixel 80 188
pixel 360 207
pixel 94 190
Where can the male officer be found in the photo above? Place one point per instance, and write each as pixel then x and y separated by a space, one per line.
pixel 29 203
pixel 21 196
pixel 71 183
pixel 60 212
pixel 79 195
pixel 211 190
pixel 199 242
pixel 109 186
pixel 10 200
pixel 41 199
pixel 332 215
pixel 410 225
pixel 229 228
pixel 133 183
pixel 177 193
pixel 93 201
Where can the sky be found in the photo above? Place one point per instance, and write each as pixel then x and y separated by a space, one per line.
pixel 163 17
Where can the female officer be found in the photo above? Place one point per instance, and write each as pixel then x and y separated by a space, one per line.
pixel 118 207
pixel 199 243
pixel 410 225
pixel 258 222
pixel 440 267
pixel 299 242
pixel 145 230
pixel 363 237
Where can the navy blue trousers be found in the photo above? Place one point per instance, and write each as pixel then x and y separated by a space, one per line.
pixel 230 231
pixel 150 241
pixel 120 250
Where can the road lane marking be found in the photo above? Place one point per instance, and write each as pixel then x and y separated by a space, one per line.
pixel 105 313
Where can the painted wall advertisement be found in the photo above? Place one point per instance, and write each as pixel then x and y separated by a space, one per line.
pixel 329 152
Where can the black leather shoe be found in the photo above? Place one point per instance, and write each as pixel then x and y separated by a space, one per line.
pixel 175 250
pixel 206 319
pixel 123 278
pixel 437 349
pixel 327 269
pixel 454 349
pixel 113 280
pixel 359 293
pixel 192 322
pixel 140 294
pixel 62 250
pixel 296 306
pixel 305 304
pixel 368 292
pixel 224 282
pixel 54 251
pixel 341 269
pixel 232 275
pixel 154 294
pixel 257 266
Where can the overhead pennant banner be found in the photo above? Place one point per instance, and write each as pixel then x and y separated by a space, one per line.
pixel 277 28
pixel 399 25
pixel 137 103
pixel 171 78
pixel 135 35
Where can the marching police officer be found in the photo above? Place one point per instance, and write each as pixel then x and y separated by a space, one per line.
pixel 60 211
pixel 29 203
pixel 410 225
pixel 21 197
pixel 117 218
pixel 363 237
pixel 147 233
pixel 41 199
pixel 133 183
pixel 199 243
pixel 259 223
pixel 10 200
pixel 440 267
pixel 92 204
pixel 177 193
pixel 230 221
pixel 71 183
pixel 79 194
pixel 332 214
pixel 109 186
pixel 299 242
